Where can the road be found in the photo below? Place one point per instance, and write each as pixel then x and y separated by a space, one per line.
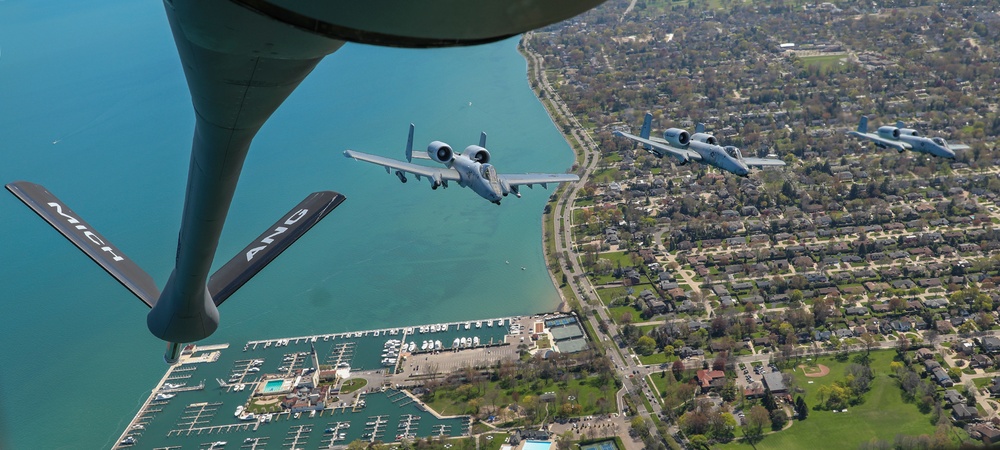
pixel 627 366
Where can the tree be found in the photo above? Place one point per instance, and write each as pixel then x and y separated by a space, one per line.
pixel 778 419
pixel 645 346
pixel 357 444
pixel 769 402
pixel 756 421
pixel 699 442
pixel 902 346
pixel 869 341
pixel 722 426
pixel 800 408
pixel 678 369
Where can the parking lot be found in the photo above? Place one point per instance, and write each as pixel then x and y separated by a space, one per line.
pixel 752 375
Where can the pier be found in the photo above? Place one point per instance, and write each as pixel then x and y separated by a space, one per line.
pixel 297 433
pixel 375 429
pixel 186 415
pixel 197 387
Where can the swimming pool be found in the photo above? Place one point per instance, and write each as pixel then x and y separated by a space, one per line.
pixel 273 386
pixel 537 445
pixel 602 445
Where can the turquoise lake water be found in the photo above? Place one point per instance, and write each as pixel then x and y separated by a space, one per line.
pixel 94 106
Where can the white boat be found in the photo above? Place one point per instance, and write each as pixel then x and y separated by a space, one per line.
pixel 475 340
pixel 239 411
pixel 437 345
pixel 249 417
pixel 489 324
pixel 172 385
pixel 468 325
pixel 479 324
pixel 413 346
pixel 218 444
pixel 129 440
pixel 164 396
pixel 455 343
pixel 463 342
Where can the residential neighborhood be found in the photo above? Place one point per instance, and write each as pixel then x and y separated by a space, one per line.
pixel 862 271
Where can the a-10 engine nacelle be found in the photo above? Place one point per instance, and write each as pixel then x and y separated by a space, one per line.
pixel 477 154
pixel 888 132
pixel 909 132
pixel 440 152
pixel 677 137
pixel 705 138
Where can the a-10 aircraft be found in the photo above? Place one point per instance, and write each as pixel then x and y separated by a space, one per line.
pixel 700 146
pixel 242 59
pixel 470 168
pixel 901 138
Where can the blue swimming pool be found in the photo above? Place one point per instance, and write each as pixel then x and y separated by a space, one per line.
pixel 537 445
pixel 273 386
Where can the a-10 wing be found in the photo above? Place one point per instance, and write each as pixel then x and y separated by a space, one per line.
pixel 661 148
pixel 446 173
pixel 519 179
pixel 896 145
pixel 762 162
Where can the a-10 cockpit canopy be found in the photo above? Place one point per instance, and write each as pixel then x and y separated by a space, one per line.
pixel 734 152
pixel 488 172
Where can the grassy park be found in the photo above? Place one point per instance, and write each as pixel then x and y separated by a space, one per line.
pixel 883 415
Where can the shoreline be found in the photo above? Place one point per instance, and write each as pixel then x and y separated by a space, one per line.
pixel 550 102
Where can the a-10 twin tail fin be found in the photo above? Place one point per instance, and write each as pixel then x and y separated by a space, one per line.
pixel 223 283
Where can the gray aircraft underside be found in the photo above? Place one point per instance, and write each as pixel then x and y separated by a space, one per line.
pixel 901 138
pixel 470 168
pixel 700 147
pixel 242 58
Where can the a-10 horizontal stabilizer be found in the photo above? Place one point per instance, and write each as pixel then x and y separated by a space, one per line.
pixel 88 240
pixel 252 259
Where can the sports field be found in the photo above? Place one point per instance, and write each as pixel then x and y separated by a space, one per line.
pixel 883 415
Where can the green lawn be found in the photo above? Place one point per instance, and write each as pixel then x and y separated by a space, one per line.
pixel 352 385
pixel 623 258
pixel 447 402
pixel 657 358
pixel 493 444
pixel 610 294
pixel 645 329
pixel 618 311
pixel 883 414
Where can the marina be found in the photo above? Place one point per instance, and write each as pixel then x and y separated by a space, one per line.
pixel 321 391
